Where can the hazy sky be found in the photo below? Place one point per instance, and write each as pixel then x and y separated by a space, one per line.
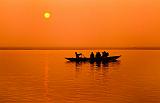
pixel 80 23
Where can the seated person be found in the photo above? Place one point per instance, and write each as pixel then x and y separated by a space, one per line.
pixel 98 55
pixel 105 54
pixel 92 55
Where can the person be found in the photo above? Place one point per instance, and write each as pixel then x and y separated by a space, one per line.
pixel 105 54
pixel 92 56
pixel 78 55
pixel 98 55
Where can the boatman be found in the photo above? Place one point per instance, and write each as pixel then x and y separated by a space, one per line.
pixel 78 55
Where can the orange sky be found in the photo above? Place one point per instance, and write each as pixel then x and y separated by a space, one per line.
pixel 80 23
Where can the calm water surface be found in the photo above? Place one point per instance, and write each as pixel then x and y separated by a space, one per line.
pixel 46 77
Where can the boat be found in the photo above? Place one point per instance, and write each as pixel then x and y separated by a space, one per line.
pixel 109 58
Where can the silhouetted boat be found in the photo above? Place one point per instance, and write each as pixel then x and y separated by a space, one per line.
pixel 109 58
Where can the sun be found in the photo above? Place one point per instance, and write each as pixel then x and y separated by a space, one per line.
pixel 47 15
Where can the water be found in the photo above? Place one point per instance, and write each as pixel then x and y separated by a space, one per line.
pixel 46 77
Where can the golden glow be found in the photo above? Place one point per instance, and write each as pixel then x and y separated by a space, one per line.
pixel 80 23
pixel 47 15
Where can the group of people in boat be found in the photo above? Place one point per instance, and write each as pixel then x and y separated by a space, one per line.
pixel 98 55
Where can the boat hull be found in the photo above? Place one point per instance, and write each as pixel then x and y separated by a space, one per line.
pixel 110 58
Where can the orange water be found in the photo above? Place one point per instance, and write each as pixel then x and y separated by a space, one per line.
pixel 46 77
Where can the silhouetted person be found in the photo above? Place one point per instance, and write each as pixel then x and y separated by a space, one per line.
pixel 92 55
pixel 98 55
pixel 104 57
pixel 105 54
pixel 98 59
pixel 78 55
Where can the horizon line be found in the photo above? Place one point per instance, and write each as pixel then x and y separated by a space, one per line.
pixel 79 48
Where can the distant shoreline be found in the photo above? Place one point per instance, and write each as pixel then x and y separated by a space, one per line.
pixel 80 48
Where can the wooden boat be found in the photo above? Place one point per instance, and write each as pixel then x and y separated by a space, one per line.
pixel 109 58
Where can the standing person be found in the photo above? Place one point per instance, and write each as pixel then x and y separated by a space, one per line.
pixel 78 55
